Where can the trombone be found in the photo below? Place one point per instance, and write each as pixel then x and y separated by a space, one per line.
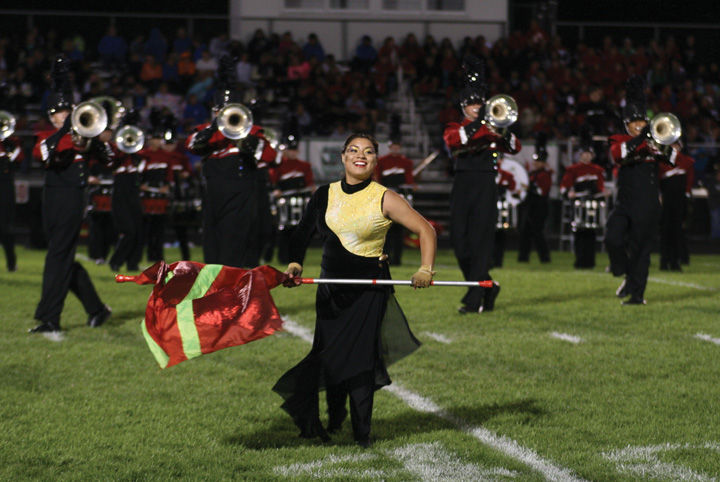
pixel 7 124
pixel 235 121
pixel 501 111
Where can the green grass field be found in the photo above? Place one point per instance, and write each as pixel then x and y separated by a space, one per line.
pixel 560 382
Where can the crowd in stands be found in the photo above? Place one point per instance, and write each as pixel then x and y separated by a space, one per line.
pixel 552 83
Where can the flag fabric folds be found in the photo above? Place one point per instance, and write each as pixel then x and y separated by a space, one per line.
pixel 196 308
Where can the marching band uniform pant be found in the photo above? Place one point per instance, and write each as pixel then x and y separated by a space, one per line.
pixel 7 212
pixel 672 242
pixel 63 209
pixel 584 248
pixel 473 216
pixel 629 238
pixel 394 243
pixel 101 234
pixel 361 391
pixel 532 229
pixel 128 220
pixel 155 236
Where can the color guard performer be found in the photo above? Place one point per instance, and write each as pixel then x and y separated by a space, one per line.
pixel 475 145
pixel 583 181
pixel 11 156
pixel 633 222
pixel 64 152
pixel 231 175
pixel 536 206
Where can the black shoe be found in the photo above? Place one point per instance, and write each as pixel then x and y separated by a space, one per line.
pixel 364 442
pixel 675 267
pixel 114 268
pixel 464 310
pixel 134 268
pixel 622 291
pixel 47 327
pixel 490 295
pixel 634 301
pixel 100 317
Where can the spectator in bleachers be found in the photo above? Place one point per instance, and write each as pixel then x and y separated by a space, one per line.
pixel 244 69
pixel 151 73
pixel 182 42
pixel 365 55
pixel 313 48
pixel 112 49
pixel 194 113
pixel 258 45
pixel 186 70
pixel 219 45
pixel 206 64
pixel 156 45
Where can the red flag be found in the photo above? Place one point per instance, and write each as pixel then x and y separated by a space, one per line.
pixel 196 308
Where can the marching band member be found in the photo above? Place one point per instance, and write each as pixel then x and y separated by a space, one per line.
pixel 65 156
pixel 506 185
pixel 183 181
pixel 536 205
pixel 393 171
pixel 231 178
pixel 293 175
pixel 583 180
pixel 127 210
pixel 101 230
pixel 11 155
pixel 635 217
pixel 354 322
pixel 675 187
pixel 156 183
pixel 475 147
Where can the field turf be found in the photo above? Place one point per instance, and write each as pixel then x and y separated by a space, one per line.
pixel 560 382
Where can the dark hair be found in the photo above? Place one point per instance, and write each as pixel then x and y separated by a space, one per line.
pixel 361 135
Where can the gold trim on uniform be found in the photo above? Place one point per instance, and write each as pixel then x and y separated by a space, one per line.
pixel 357 218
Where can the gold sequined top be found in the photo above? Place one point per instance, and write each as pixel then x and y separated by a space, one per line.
pixel 357 218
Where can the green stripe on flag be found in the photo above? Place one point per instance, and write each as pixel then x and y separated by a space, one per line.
pixel 157 351
pixel 185 314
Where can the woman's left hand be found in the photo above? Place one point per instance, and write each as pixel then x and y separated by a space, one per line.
pixel 422 278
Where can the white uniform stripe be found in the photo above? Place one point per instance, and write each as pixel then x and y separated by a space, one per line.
pixel 463 136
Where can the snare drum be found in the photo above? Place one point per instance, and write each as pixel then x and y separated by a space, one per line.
pixel 588 213
pixel 101 199
pixel 290 207
pixel 154 203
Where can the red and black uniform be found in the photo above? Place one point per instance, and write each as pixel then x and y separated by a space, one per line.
pixel 11 155
pixel 127 211
pixel 633 223
pixel 505 183
pixel 586 180
pixel 290 176
pixel 184 189
pixel 473 201
pixel 101 229
pixel 156 180
pixel 393 171
pixel 232 193
pixel 675 186
pixel 535 209
pixel 63 208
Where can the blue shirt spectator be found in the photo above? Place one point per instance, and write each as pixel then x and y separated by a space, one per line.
pixel 182 42
pixel 112 48
pixel 195 113
pixel 156 45
pixel 313 48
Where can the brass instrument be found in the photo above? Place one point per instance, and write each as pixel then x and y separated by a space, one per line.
pixel 7 124
pixel 665 130
pixel 235 121
pixel 88 119
pixel 501 111
pixel 129 139
pixel 115 112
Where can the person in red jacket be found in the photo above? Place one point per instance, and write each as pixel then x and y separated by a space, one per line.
pixel 232 182
pixel 395 171
pixel 292 181
pixel 475 146
pixel 11 155
pixel 65 157
pixel 583 180
pixel 536 205
pixel 675 187
pixel 633 223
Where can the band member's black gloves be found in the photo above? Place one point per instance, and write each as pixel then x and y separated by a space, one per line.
pixel 473 127
pixel 248 145
pixel 101 151
pixel 52 142
pixel 633 143
pixel 8 145
pixel 202 138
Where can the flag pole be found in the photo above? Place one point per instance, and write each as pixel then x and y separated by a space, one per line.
pixel 315 281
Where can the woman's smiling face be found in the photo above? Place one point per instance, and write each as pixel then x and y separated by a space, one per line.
pixel 359 159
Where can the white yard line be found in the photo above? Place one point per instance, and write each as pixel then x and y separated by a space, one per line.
pixel 646 462
pixel 703 336
pixel 437 337
pixel 501 443
pixel 566 337
pixel 680 283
